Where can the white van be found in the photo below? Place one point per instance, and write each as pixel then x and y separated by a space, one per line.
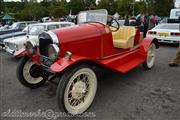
pixel 175 13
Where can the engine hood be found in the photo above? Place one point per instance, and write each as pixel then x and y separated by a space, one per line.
pixel 15 39
pixel 79 32
pixel 21 39
pixel 83 40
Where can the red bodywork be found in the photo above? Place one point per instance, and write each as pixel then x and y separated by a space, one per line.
pixel 92 43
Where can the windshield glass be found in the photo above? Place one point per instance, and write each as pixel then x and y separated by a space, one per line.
pixel 25 29
pixel 93 16
pixel 14 26
pixel 4 27
pixel 168 26
pixel 36 30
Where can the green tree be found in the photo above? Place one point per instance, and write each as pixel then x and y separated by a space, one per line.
pixel 58 8
pixel 90 4
pixel 1 6
pixel 58 12
pixel 155 6
pixel 33 11
pixel 14 7
pixel 140 7
pixel 76 6
pixel 125 7
pixel 107 4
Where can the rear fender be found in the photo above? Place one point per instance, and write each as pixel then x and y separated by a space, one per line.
pixel 63 64
pixel 147 42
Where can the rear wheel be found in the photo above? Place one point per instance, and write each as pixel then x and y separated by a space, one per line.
pixel 149 63
pixel 29 74
pixel 77 89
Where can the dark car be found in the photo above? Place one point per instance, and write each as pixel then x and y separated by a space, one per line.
pixel 14 34
pixel 16 27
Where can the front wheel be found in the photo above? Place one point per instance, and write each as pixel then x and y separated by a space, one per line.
pixel 150 60
pixel 77 89
pixel 29 74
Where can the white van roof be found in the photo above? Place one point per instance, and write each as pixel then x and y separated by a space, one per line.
pixel 175 13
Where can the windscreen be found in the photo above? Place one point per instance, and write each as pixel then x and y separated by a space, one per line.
pixel 36 30
pixel 14 26
pixel 93 16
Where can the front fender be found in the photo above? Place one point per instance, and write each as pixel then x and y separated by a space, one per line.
pixel 20 52
pixel 147 42
pixel 62 64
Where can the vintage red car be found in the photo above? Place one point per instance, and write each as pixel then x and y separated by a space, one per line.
pixel 70 54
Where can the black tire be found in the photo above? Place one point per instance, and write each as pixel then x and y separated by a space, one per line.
pixel 21 78
pixel 146 65
pixel 63 83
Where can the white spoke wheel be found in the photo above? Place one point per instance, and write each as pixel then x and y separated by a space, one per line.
pixel 149 63
pixel 29 74
pixel 77 89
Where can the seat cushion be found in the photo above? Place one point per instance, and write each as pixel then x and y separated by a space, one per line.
pixel 120 43
pixel 124 37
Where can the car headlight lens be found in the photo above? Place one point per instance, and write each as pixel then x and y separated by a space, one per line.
pixel 30 46
pixel 53 52
pixel 11 46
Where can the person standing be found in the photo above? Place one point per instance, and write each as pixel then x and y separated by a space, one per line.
pixel 176 61
pixel 146 24
pixel 126 23
pixel 152 21
pixel 140 22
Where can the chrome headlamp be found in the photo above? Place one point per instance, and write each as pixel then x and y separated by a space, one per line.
pixel 53 51
pixel 10 45
pixel 31 47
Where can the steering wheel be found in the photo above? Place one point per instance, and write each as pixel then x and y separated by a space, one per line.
pixel 112 23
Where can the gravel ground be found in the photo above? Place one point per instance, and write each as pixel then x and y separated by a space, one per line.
pixel 137 95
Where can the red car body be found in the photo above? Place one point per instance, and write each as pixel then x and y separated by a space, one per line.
pixel 92 43
pixel 74 51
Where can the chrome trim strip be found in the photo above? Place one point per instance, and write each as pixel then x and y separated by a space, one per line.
pixel 54 37
pixel 131 50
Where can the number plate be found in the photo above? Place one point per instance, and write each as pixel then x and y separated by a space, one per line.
pixel 163 34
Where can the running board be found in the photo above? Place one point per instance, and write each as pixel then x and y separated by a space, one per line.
pixel 126 62
pixel 129 65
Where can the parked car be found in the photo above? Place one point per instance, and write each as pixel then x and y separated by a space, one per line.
pixel 15 43
pixel 17 26
pixel 14 34
pixel 5 27
pixel 71 55
pixel 166 32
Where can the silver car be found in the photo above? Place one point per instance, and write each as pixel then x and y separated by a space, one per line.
pixel 15 43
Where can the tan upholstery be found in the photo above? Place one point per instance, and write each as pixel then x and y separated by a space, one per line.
pixel 124 37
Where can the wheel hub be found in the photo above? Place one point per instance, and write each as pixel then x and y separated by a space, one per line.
pixel 35 71
pixel 78 90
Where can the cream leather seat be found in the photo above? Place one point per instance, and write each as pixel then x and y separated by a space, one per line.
pixel 124 37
